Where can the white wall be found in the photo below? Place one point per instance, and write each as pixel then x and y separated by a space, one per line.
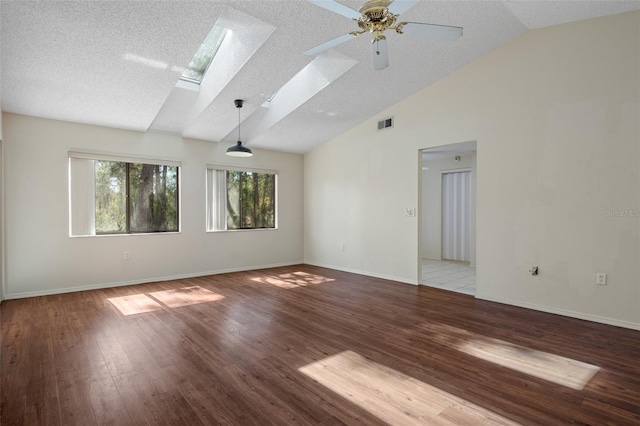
pixel 556 118
pixel 431 204
pixel 41 258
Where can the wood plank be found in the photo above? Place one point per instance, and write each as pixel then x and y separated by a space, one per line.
pixel 234 348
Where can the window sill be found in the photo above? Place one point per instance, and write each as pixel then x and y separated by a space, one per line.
pixel 242 230
pixel 125 235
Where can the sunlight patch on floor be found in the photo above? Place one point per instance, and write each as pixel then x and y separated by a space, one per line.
pixel 293 280
pixel 185 296
pixel 141 303
pixel 135 304
pixel 543 365
pixel 394 397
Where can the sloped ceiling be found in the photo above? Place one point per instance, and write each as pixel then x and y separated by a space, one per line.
pixel 118 63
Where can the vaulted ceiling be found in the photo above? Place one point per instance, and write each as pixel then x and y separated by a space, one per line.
pixel 118 63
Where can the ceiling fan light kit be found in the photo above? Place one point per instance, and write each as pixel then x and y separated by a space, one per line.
pixel 376 17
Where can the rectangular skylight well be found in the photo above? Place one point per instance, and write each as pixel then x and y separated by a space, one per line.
pixel 205 54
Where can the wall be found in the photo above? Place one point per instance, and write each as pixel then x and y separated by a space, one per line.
pixel 2 250
pixel 431 204
pixel 556 118
pixel 41 258
pixel 2 243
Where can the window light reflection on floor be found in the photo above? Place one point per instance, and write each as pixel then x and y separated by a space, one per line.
pixel 185 296
pixel 394 397
pixel 293 280
pixel 175 298
pixel 543 365
pixel 135 304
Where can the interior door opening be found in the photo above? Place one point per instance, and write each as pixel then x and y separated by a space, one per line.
pixel 447 217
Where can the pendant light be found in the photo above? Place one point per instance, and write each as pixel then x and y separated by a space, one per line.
pixel 238 150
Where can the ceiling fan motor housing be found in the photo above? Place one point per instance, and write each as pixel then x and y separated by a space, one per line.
pixel 376 18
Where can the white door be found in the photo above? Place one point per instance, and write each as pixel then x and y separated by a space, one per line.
pixel 456 216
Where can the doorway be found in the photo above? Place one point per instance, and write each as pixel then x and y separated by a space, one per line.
pixel 447 217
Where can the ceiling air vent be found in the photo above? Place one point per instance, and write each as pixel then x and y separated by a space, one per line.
pixel 387 123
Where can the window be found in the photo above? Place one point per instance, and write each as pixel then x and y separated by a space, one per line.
pixel 109 196
pixel 240 199
pixel 204 56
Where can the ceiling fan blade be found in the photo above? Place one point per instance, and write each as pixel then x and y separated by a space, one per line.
pixel 328 45
pixel 442 32
pixel 398 7
pixel 338 8
pixel 380 54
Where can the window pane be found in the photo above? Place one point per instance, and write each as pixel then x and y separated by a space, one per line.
pixel 265 210
pixel 205 54
pixel 233 199
pixel 250 200
pixel 115 197
pixel 110 197
pixel 154 198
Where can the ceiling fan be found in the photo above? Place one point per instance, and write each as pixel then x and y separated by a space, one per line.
pixel 376 17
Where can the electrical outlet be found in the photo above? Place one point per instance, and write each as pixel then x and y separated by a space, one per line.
pixel 127 255
pixel 601 279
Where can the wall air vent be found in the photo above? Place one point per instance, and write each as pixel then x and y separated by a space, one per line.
pixel 387 123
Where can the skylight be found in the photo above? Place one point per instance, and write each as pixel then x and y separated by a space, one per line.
pixel 272 96
pixel 205 54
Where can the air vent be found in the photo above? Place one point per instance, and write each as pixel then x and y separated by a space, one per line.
pixel 385 124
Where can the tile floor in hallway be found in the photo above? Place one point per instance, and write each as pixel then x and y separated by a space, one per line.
pixel 449 275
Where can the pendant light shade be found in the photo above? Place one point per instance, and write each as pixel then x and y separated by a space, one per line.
pixel 238 150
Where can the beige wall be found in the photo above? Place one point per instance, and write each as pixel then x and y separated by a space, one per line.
pixel 556 118
pixel 2 283
pixel 2 250
pixel 41 258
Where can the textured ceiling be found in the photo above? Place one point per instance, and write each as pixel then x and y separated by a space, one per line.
pixel 116 63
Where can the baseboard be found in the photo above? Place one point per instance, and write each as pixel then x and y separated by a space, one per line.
pixel 143 281
pixel 563 312
pixel 366 273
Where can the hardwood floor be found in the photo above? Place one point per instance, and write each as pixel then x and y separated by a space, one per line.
pixel 307 345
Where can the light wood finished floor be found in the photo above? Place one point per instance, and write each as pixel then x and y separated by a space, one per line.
pixel 307 346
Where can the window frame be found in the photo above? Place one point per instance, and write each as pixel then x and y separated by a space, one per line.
pixel 128 161
pixel 202 52
pixel 211 201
